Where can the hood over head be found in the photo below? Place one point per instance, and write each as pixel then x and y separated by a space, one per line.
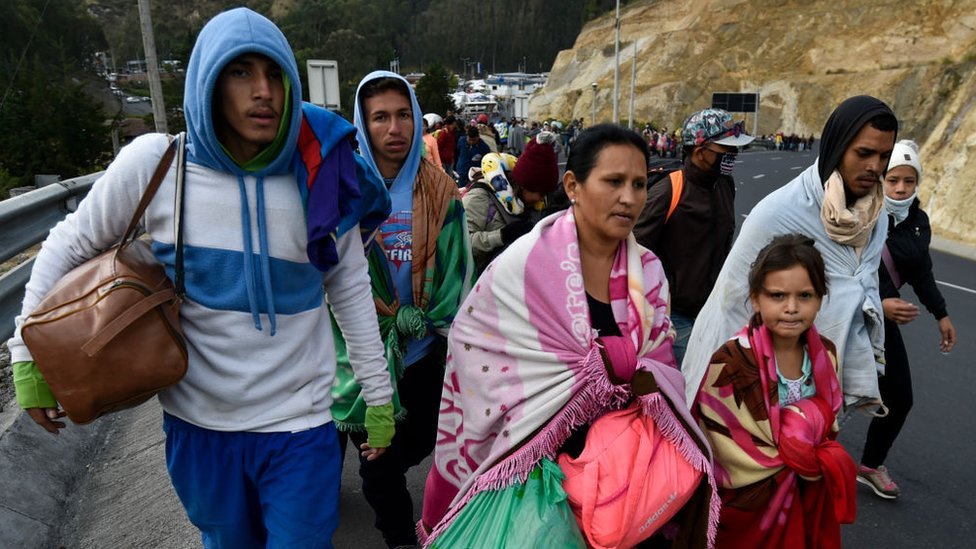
pixel 408 172
pixel 844 123
pixel 225 37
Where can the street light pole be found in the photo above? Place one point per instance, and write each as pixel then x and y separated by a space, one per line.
pixel 755 120
pixel 593 118
pixel 152 66
pixel 616 67
pixel 633 83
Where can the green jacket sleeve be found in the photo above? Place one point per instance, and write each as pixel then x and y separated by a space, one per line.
pixel 379 425
pixel 454 270
pixel 32 391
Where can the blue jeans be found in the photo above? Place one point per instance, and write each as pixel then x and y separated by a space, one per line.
pixel 682 325
pixel 256 490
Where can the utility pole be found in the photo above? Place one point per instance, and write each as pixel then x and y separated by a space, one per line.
pixel 152 66
pixel 616 67
pixel 633 84
pixel 593 118
pixel 755 120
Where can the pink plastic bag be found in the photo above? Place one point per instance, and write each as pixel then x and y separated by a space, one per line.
pixel 629 480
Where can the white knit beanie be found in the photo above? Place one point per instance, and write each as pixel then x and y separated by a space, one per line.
pixel 905 153
pixel 546 136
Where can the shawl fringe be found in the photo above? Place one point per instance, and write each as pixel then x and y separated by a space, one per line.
pixel 422 536
pixel 598 395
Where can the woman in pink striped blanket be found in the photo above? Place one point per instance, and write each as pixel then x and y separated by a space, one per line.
pixel 570 322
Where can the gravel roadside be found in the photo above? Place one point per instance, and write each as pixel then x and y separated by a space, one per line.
pixel 6 379
pixel 6 375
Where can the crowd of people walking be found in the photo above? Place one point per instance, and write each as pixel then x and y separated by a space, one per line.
pixel 588 354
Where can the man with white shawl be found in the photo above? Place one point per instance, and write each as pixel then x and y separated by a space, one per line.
pixel 838 202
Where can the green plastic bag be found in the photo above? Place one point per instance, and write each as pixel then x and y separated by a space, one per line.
pixel 533 514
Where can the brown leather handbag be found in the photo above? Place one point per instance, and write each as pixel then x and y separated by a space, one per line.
pixel 107 336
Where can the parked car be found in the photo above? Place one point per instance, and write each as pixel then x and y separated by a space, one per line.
pixel 132 99
pixel 767 144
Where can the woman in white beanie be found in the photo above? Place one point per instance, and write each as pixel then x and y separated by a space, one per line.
pixel 905 259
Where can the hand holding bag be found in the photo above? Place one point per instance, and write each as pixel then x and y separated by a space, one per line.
pixel 107 336
pixel 628 482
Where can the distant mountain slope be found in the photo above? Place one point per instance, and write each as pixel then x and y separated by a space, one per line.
pixel 500 34
pixel 803 58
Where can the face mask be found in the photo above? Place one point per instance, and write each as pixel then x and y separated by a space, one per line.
pixel 899 208
pixel 727 164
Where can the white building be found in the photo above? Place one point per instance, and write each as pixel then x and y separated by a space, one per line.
pixel 510 84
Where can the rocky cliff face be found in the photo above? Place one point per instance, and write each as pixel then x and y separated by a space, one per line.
pixel 803 58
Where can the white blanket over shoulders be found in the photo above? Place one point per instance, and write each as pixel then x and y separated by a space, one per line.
pixel 851 315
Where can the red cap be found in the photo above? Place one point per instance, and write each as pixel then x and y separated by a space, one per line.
pixel 482 118
pixel 537 169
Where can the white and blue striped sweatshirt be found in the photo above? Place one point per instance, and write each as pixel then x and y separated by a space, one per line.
pixel 239 378
pixel 261 351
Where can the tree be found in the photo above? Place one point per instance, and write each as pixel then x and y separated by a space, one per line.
pixel 59 128
pixel 433 90
pixel 54 126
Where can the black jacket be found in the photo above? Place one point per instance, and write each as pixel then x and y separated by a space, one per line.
pixel 908 243
pixel 694 243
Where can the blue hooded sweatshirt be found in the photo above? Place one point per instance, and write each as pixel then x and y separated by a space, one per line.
pixel 246 259
pixel 221 41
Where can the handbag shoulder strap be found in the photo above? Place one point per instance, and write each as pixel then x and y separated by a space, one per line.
pixel 889 263
pixel 178 214
pixel 497 204
pixel 157 178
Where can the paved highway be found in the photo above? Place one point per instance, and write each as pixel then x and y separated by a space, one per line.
pixel 932 457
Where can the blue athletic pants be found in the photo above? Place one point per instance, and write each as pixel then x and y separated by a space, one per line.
pixel 682 326
pixel 246 490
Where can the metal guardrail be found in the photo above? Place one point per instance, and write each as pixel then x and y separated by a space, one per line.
pixel 25 221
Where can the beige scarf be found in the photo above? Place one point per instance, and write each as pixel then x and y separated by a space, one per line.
pixel 849 226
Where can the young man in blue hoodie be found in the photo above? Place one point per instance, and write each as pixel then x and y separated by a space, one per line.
pixel 251 447
pixel 420 276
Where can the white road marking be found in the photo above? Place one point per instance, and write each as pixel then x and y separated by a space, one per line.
pixel 797 168
pixel 760 176
pixel 956 287
pixel 744 216
pixel 776 158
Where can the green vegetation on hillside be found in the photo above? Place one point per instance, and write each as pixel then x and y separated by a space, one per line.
pixel 433 90
pixel 365 35
pixel 47 52
pixel 49 124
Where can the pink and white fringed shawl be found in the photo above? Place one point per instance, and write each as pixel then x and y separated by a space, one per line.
pixel 524 368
